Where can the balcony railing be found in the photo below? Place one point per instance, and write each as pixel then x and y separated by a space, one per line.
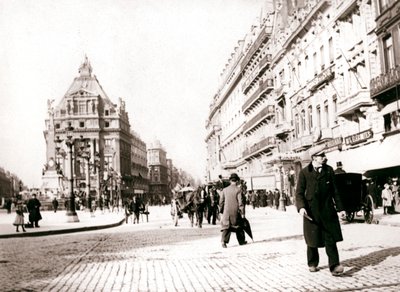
pixel 263 145
pixel 385 81
pixel 266 60
pixel 350 104
pixel 302 142
pixel 321 78
pixel 262 37
pixel 264 87
pixel 283 128
pixel 267 112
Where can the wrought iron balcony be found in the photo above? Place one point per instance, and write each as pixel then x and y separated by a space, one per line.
pixel 264 145
pixel 348 105
pixel 302 142
pixel 265 113
pixel 264 88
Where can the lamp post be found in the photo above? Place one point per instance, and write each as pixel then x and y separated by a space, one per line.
pixel 72 216
pixel 85 154
pixel 281 206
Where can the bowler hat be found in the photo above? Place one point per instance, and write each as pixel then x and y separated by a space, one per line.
pixel 234 177
pixel 339 164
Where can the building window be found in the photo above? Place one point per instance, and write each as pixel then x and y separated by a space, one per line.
pixel 81 124
pixel 318 116
pixel 326 113
pixel 388 53
pixel 331 52
pixel 315 64
pixel 107 124
pixel 58 126
pixel 82 107
pixel 296 125
pixel 335 108
pixel 303 121
pixel 384 4
pixel 310 121
pixel 322 57
pixel 106 112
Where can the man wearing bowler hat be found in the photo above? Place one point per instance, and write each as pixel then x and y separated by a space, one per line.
pixel 232 208
pixel 315 196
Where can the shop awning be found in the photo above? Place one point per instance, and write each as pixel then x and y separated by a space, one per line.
pixel 391 107
pixel 386 156
pixel 374 156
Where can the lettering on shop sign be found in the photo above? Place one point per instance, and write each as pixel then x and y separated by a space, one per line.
pixel 359 137
pixel 334 142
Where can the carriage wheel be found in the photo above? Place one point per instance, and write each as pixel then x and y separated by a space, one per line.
pixel 349 216
pixel 369 209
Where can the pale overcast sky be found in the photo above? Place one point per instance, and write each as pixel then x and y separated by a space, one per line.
pixel 163 57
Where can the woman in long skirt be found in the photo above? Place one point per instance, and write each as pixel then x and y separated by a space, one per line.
pixel 19 219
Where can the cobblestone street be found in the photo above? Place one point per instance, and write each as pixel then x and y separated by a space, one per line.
pixel 156 256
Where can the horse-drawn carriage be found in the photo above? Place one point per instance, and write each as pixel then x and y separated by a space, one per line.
pixel 354 196
pixel 191 201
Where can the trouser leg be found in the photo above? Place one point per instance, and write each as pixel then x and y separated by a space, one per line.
pixel 225 236
pixel 331 251
pixel 312 256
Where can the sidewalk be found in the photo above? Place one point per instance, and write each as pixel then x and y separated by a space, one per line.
pixel 56 223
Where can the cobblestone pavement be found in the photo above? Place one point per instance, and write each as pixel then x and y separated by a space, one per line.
pixel 156 256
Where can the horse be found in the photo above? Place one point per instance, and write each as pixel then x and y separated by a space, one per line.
pixel 200 204
pixel 183 203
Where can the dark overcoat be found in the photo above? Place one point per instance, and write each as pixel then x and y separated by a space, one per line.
pixel 231 203
pixel 317 193
pixel 33 206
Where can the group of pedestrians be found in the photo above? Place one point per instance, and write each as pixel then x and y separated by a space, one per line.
pixel 32 207
pixel 317 200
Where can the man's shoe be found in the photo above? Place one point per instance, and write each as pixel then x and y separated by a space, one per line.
pixel 243 243
pixel 313 269
pixel 224 245
pixel 338 270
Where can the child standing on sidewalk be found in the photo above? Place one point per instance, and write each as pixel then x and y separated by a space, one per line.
pixel 19 219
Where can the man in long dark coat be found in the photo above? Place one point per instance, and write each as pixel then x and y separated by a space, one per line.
pixel 33 207
pixel 232 208
pixel 316 194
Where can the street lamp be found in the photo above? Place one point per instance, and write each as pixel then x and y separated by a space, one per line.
pixel 72 216
pixel 85 154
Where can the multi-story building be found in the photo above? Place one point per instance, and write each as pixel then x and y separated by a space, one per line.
pixel 306 71
pixel 158 173
pixel 385 86
pixel 140 182
pixel 100 135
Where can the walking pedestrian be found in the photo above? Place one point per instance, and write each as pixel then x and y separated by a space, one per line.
pixel 55 204
pixel 232 209
pixel 396 198
pixel 33 206
pixel 8 205
pixel 387 199
pixel 253 198
pixel 19 218
pixel 316 193
pixel 135 209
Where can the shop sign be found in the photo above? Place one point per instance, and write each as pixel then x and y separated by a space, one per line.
pixel 359 137
pixel 334 142
pixel 263 182
pixel 384 81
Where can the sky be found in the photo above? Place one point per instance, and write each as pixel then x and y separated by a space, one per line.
pixel 163 57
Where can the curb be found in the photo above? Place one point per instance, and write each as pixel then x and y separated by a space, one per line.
pixel 63 231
